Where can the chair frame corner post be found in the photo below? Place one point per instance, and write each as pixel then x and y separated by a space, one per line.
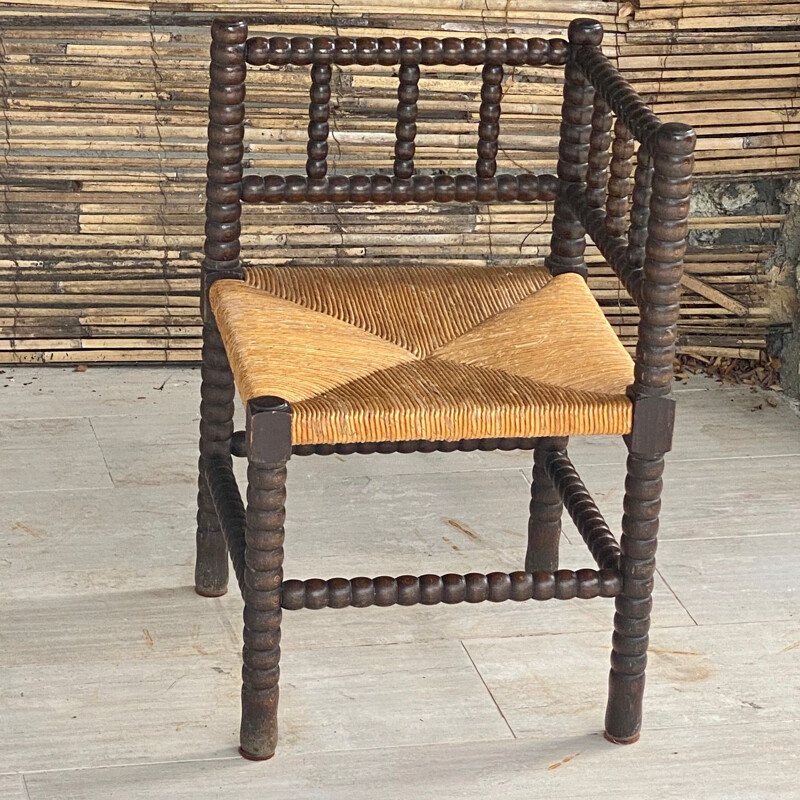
pixel 567 248
pixel 568 241
pixel 221 251
pixel 269 447
pixel 671 149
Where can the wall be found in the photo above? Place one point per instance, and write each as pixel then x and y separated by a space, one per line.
pixel 102 159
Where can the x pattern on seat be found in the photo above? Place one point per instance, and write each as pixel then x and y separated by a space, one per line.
pixel 369 354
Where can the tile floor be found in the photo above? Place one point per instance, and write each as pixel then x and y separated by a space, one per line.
pixel 117 681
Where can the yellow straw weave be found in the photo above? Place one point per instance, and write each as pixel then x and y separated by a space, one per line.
pixel 369 354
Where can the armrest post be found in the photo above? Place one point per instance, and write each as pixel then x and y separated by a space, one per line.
pixel 672 151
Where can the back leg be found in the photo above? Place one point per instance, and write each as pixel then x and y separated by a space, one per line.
pixel 544 525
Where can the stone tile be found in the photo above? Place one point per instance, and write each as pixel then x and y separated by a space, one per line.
pixel 735 579
pixel 162 708
pixel 139 465
pixel 50 454
pixel 725 422
pixel 45 392
pixel 39 434
pixel 697 676
pixel 735 497
pixel 715 763
pixel 439 515
pixel 112 626
pixel 54 543
pixel 12 787
pixel 103 712
pixel 165 430
pixel 109 660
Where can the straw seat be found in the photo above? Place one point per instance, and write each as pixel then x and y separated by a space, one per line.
pixel 370 354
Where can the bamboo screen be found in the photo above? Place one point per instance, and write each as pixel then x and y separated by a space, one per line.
pixel 102 157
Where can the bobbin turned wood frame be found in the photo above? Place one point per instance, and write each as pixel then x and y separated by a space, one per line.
pixel 592 194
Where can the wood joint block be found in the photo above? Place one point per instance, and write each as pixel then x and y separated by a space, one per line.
pixel 269 430
pixel 653 424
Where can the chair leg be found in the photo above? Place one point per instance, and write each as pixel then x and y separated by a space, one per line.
pixel 544 524
pixel 632 619
pixel 269 448
pixel 216 429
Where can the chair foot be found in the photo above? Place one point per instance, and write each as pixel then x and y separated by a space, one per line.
pixel 617 740
pixel 258 737
pixel 203 592
pixel 250 757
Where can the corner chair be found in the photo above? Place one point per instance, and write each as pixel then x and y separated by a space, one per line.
pixel 377 359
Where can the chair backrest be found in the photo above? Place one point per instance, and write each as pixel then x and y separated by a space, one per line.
pixel 637 216
pixel 403 186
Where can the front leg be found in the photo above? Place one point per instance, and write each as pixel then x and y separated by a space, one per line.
pixel 269 447
pixel 642 505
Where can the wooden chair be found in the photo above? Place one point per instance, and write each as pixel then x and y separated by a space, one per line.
pixel 380 359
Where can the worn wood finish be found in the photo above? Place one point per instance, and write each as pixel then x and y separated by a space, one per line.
pixel 380 189
pixel 489 128
pixel 229 509
pixel 269 448
pixel 429 590
pixel 582 509
pixel 318 112
pixel 544 524
pixel 640 227
pixel 672 149
pixel 619 186
pixel 239 447
pixel 406 128
pixel 568 241
pixel 221 248
pixel 388 51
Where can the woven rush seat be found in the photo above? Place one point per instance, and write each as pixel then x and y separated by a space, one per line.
pixel 371 354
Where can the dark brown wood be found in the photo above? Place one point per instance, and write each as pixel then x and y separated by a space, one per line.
pixel 409 590
pixel 615 90
pixel 389 51
pixel 229 509
pixel 619 181
pixel 216 427
pixel 223 211
pixel 318 113
pixel 406 128
pixel 568 242
pixel 544 522
pixel 269 448
pixel 632 619
pixel 672 150
pixel 615 249
pixel 599 154
pixel 653 423
pixel 640 209
pixel 489 127
pixel 592 193
pixel 583 511
pixel 414 446
pixel 380 189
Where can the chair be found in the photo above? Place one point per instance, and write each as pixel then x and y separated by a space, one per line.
pixel 380 359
